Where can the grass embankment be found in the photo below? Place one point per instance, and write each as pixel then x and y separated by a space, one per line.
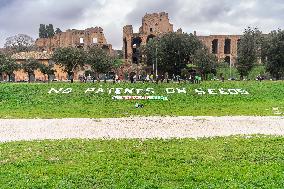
pixel 234 162
pixel 33 101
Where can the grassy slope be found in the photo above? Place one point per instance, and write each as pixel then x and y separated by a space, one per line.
pixel 237 162
pixel 32 100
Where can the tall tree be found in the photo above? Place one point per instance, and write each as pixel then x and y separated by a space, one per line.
pixel 19 43
pixel 8 65
pixel 205 62
pixel 273 55
pixel 47 70
pixel 42 31
pixel 50 30
pixel 58 30
pixel 172 52
pixel 99 60
pixel 69 59
pixel 30 66
pixel 249 51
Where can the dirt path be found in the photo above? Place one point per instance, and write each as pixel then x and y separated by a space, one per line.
pixel 138 127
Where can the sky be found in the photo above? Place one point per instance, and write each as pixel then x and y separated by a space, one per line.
pixel 207 17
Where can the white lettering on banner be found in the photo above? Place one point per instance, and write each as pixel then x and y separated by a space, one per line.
pixel 90 90
pixel 223 92
pixel 183 90
pixel 138 91
pixel 67 91
pixel 200 91
pixel 128 91
pixel 170 90
pixel 100 90
pixel 151 91
pixel 118 91
pixel 212 91
pixel 243 92
pixel 140 98
pixel 61 90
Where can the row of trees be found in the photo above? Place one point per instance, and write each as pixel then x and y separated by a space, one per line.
pixel 255 48
pixel 9 65
pixel 69 59
pixel 47 31
pixel 176 52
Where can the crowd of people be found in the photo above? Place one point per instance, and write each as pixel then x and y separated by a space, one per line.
pixel 147 78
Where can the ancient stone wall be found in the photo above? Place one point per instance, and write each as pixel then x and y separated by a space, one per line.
pixel 157 24
pixel 153 25
pixel 44 58
pixel 75 38
pixel 223 46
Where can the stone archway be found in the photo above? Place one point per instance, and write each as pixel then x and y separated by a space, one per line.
pixel 150 37
pixel 136 55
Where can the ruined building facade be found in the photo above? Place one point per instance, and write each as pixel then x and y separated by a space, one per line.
pixel 75 38
pixel 153 25
pixel 223 46
pixel 157 24
pixel 71 38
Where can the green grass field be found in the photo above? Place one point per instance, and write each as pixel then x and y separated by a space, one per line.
pixel 234 162
pixel 33 101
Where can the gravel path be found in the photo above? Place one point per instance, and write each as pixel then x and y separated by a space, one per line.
pixel 138 127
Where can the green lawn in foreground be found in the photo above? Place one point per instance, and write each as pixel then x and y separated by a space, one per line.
pixel 33 101
pixel 234 162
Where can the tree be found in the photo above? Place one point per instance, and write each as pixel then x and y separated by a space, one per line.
pixel 249 51
pixel 58 30
pixel 19 43
pixel 42 31
pixel 47 70
pixel 8 65
pixel 172 52
pixel 69 59
pixel 100 61
pixel 273 54
pixel 29 66
pixel 50 31
pixel 205 62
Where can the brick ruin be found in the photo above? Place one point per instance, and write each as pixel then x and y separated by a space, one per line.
pixel 153 25
pixel 71 38
pixel 157 24
pixel 223 46
pixel 75 38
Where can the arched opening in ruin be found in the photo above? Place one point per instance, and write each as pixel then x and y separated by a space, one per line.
pixel 125 48
pixel 215 46
pixel 136 56
pixel 150 37
pixel 105 47
pixel 227 47
pixel 227 60
pixel 136 42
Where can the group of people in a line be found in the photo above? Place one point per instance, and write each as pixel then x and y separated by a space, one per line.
pixel 148 78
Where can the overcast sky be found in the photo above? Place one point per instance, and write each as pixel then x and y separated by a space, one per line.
pixel 205 16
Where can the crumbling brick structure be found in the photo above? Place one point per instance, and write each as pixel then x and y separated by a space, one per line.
pixel 223 46
pixel 153 25
pixel 75 38
pixel 157 24
pixel 71 38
